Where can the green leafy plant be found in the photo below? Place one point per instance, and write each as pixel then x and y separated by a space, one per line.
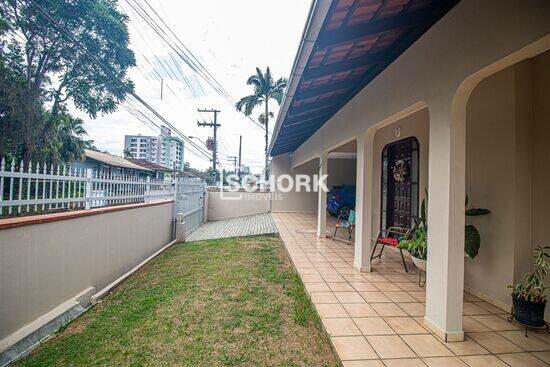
pixel 418 244
pixel 472 238
pixel 532 287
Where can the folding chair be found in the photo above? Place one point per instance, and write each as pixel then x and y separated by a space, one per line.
pixel 391 237
pixel 348 224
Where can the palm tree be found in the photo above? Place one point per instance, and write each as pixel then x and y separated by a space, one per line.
pixel 265 88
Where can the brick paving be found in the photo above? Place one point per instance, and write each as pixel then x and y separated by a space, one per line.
pixel 376 319
pixel 251 225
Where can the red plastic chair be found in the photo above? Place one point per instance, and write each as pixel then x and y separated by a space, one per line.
pixel 391 237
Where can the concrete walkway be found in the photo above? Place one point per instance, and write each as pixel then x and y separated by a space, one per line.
pixel 251 225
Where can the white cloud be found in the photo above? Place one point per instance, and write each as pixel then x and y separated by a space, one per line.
pixel 230 38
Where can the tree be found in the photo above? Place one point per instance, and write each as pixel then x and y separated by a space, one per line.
pixel 265 89
pixel 127 153
pixel 50 59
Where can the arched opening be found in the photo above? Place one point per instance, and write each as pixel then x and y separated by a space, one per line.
pixel 507 163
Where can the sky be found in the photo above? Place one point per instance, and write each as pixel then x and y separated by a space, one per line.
pixel 230 38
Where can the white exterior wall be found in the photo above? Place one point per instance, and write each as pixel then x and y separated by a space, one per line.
pixel 474 40
pixel 44 265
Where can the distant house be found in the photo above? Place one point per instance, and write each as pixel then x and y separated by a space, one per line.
pixel 110 164
pixel 157 171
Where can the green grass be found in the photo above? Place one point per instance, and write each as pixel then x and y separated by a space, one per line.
pixel 229 302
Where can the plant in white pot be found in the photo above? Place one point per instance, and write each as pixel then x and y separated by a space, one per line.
pixel 417 245
pixel 528 296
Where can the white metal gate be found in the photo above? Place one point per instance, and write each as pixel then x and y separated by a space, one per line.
pixel 190 194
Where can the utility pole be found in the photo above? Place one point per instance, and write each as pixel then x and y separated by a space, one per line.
pixel 240 150
pixel 234 159
pixel 161 87
pixel 214 125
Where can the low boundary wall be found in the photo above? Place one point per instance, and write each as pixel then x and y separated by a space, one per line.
pixel 231 204
pixel 49 260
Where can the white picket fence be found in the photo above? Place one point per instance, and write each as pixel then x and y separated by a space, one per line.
pixel 41 189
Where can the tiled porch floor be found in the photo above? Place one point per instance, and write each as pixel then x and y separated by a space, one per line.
pixel 376 319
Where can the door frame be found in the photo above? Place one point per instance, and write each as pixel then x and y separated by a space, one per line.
pixel 384 149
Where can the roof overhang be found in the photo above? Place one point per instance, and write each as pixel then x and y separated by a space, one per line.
pixel 345 45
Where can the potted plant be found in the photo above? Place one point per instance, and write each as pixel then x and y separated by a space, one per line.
pixel 528 296
pixel 417 245
pixel 472 238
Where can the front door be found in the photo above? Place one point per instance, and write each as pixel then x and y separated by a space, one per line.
pixel 399 184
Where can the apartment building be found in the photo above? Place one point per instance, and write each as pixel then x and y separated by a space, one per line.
pixel 165 149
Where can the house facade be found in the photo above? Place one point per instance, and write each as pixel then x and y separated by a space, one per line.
pixel 448 99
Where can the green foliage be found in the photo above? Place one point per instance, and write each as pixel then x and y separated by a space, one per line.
pixel 41 69
pixel 472 238
pixel 418 244
pixel 265 89
pixel 532 287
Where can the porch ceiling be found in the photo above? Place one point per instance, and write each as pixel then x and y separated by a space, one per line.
pixel 358 40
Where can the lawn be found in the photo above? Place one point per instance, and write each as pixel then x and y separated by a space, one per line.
pixel 210 303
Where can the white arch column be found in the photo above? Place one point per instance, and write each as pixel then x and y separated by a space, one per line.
pixel 363 205
pixel 322 198
pixel 446 197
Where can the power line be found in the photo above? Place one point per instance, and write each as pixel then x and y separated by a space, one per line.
pixel 109 72
pixel 187 56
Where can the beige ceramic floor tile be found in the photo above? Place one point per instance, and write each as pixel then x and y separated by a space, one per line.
pixel 333 278
pixel 365 363
pixel 323 297
pixel 469 325
pixel 545 356
pixel 529 344
pixel 341 327
pixel 410 287
pixel 375 278
pixel 354 277
pixel 331 310
pixel 317 287
pixel 353 348
pixel 388 347
pixel 359 310
pixel 397 278
pixel 466 348
pixel 426 346
pixel 444 362
pixel 471 298
pixel 492 308
pixel 341 287
pixel 495 323
pixel 387 287
pixel 420 296
pixel 407 362
pixel 413 309
pixel 400 296
pixel 483 361
pixel 494 343
pixel 307 271
pixel 375 297
pixel 405 325
pixel 349 297
pixel 308 278
pixel 522 360
pixel 364 286
pixel 388 309
pixel 373 326
pixel 471 308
